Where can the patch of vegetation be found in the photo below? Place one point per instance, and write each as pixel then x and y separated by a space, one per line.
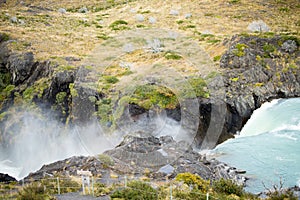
pixel 240 49
pixel 172 56
pixel 136 190
pixel 285 37
pixel 6 92
pixel 235 79
pixel 234 1
pixel 145 12
pixel 284 9
pixel 3 115
pixel 259 84
pixel 103 36
pixel 4 80
pixel 268 50
pixel 101 189
pixel 190 26
pixel 67 185
pixel 194 180
pixel 147 96
pixel 179 21
pixel 73 91
pixel 104 111
pixel 65 68
pixel 228 187
pixel 198 88
pixel 35 90
pixel 140 26
pixel 213 41
pixel 111 79
pixel 119 25
pixel 212 74
pixel 60 97
pixel 281 195
pixel 34 191
pixel 209 14
pixel 217 58
pixel 4 37
pixel 28 94
pixel 106 160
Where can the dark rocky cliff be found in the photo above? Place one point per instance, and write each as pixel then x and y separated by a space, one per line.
pixel 253 70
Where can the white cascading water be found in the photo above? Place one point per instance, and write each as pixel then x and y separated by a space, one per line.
pixel 43 141
pixel 268 146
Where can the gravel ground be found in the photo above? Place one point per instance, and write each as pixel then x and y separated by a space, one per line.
pixel 78 196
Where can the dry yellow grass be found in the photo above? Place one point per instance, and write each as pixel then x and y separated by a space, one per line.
pixel 50 34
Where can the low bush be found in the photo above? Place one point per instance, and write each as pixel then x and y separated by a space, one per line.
pixel 136 190
pixel 228 187
pixel 193 180
pixel 34 191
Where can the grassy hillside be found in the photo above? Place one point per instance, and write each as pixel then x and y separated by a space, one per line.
pixel 41 28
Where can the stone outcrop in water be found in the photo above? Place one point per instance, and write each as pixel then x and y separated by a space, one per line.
pixel 157 158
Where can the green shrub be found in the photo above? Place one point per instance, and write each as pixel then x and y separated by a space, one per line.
pixel 103 36
pixel 4 37
pixel 136 190
pixel 228 187
pixel 234 1
pixel 4 80
pixel 217 58
pixel 189 195
pixel 268 49
pixel 180 22
pixel 119 25
pixel 281 195
pixel 60 97
pixel 6 92
pixel 34 191
pixel 104 111
pixel 111 79
pixel 106 160
pixel 194 180
pixel 101 189
pixel 172 56
pixel 140 26
pixel 149 95
pixel 239 49
pixel 198 85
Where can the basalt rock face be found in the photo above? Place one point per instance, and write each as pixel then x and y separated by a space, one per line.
pixel 254 70
pixel 258 70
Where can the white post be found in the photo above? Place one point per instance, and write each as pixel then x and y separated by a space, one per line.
pixel 88 183
pixel 171 197
pixel 93 193
pixel 125 181
pixel 58 187
pixel 207 196
pixel 82 180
